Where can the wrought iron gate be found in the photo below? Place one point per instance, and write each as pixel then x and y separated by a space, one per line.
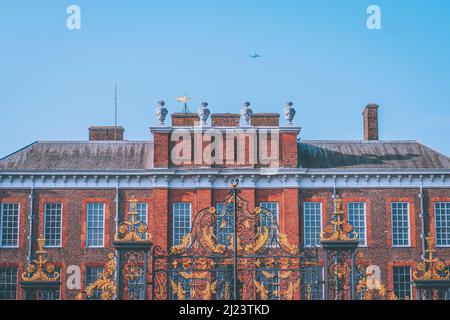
pixel 209 264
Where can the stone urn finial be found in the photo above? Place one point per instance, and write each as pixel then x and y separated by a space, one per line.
pixel 204 113
pixel 246 113
pixel 289 112
pixel 161 112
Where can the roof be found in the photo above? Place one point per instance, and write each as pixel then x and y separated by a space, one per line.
pixel 370 155
pixel 138 155
pixel 92 155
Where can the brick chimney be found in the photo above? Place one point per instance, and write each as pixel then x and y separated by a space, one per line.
pixel 106 133
pixel 185 119
pixel 225 119
pixel 370 116
pixel 265 120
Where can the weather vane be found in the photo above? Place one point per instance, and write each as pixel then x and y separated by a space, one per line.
pixel 184 99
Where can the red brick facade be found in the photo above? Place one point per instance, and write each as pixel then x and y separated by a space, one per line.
pixel 160 199
pixel 379 250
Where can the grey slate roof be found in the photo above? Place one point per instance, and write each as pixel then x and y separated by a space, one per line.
pixel 138 155
pixel 370 155
pixel 89 156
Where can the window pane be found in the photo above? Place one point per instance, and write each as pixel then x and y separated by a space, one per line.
pixel 181 221
pixel 357 218
pixel 312 223
pixel 402 282
pixel 442 217
pixel 95 224
pixel 53 224
pixel 142 210
pixel 266 222
pixel 9 225
pixel 400 223
pixel 8 283
pixel 225 223
pixel 90 278
pixel 272 207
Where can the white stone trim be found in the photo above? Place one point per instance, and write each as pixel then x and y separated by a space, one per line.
pixel 221 179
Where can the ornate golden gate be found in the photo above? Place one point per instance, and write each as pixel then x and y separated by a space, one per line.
pixel 209 264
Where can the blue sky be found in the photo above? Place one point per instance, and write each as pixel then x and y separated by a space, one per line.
pixel 55 83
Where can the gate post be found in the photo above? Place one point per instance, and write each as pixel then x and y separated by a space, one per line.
pixel 234 193
pixel 432 274
pixel 132 244
pixel 40 276
pixel 339 242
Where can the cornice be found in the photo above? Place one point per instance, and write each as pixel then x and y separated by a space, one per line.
pixel 220 178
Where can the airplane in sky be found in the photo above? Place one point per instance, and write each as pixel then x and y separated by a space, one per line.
pixel 254 56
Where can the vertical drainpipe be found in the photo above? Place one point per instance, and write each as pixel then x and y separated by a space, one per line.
pixel 117 206
pixel 31 218
pixel 334 187
pixel 422 218
pixel 300 215
pixel 117 272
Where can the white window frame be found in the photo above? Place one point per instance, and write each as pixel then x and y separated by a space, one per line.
pixel 365 245
pixel 173 219
pixel 435 225
pixel 45 223
pixel 87 226
pixel 409 225
pixel 304 223
pixel 271 203
pixel 145 204
pixel 146 211
pixel 411 288
pixel 18 225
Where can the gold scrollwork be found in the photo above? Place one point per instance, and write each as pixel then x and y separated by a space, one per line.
pixel 132 229
pixel 181 248
pixel 105 282
pixel 292 289
pixel 260 242
pixel 132 271
pixel 209 290
pixel 193 275
pixel 207 238
pixel 338 229
pixel 40 269
pixel 268 275
pixel 261 289
pixel 376 290
pixel 431 267
pixel 178 290
pixel 290 248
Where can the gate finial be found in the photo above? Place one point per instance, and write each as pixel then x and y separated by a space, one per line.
pixel 133 229
pixel 40 269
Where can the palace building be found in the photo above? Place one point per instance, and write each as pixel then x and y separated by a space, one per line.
pixel 69 198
